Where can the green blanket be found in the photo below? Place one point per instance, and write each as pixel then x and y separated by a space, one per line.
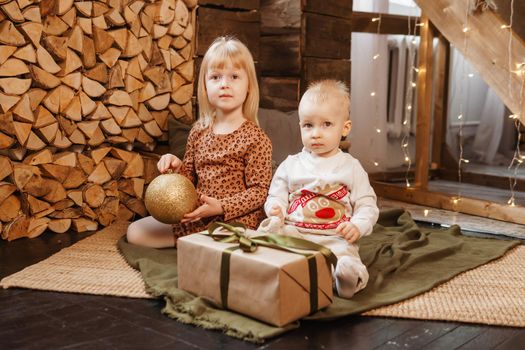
pixel 403 260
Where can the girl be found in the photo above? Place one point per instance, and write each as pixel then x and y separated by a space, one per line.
pixel 228 157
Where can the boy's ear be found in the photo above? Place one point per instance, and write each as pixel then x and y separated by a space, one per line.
pixel 347 126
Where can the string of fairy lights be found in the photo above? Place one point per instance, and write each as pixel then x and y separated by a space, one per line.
pixel 518 158
pixel 462 99
pixel 409 96
pixel 373 93
pixel 409 93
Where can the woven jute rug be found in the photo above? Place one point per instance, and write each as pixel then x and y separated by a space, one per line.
pixel 91 266
pixel 491 294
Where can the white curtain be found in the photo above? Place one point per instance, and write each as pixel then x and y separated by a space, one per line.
pixel 488 134
pixel 481 109
pixel 402 56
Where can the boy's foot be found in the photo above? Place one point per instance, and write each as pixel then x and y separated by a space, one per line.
pixel 346 277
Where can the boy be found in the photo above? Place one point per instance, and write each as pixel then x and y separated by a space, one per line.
pixel 322 194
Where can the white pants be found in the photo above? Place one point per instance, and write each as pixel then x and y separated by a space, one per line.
pixel 346 253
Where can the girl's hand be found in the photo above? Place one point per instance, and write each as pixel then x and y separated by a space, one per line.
pixel 169 162
pixel 277 212
pixel 210 207
pixel 348 231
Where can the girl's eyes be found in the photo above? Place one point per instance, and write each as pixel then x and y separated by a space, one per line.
pixel 327 123
pixel 307 125
pixel 219 76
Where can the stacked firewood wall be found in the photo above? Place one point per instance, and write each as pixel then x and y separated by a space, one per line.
pixel 86 91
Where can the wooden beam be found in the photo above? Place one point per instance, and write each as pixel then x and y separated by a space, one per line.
pixel 440 102
pixel 280 55
pixel 515 214
pixel 280 93
pixel 290 20
pixel 324 68
pixel 325 36
pixel 486 47
pixel 335 8
pixel 390 24
pixel 517 8
pixel 214 22
pixel 424 104
pixel 232 4
pixel 487 180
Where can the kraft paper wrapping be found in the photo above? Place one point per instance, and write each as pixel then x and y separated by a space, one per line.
pixel 270 285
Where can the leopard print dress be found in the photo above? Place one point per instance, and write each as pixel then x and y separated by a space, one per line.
pixel 234 168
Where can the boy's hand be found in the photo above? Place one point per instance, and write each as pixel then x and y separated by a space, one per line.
pixel 276 211
pixel 168 161
pixel 210 207
pixel 348 231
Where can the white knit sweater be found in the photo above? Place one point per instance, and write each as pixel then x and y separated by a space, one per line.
pixel 316 194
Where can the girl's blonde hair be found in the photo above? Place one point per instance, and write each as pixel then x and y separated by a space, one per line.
pixel 226 49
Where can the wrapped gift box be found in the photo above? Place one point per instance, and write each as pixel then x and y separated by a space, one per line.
pixel 268 284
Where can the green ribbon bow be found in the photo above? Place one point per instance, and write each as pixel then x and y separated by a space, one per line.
pixel 275 241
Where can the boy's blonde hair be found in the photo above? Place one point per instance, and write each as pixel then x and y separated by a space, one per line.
pixel 226 49
pixel 323 90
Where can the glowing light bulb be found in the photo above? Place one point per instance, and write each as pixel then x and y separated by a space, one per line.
pixel 376 163
pixel 375 19
pixel 413 84
pixel 455 200
pixel 378 130
pixel 470 75
pixel 465 29
pixel 425 212
pixel 405 122
pixel 514 116
pixel 416 69
pixel 405 145
pixel 409 107
pixel 460 116
pixel 511 202
pixel 373 93
pixel 407 159
pixel 505 26
pixel 376 56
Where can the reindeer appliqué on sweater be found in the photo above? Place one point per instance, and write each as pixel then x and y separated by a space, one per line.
pixel 321 209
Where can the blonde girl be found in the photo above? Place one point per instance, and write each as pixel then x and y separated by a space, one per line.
pixel 228 157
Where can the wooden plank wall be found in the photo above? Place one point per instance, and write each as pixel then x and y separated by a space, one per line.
pixel 280 53
pixel 239 18
pixel 325 40
pixel 302 41
pixel 228 17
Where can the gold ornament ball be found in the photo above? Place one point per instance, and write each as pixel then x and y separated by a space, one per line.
pixel 170 196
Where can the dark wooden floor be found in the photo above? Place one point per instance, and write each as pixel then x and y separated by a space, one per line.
pixel 47 320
